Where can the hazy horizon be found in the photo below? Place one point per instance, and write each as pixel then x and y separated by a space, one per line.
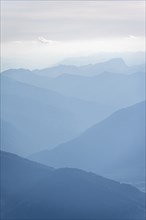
pixel 41 34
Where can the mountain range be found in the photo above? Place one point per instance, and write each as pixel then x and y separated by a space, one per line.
pixel 34 118
pixel 116 65
pixel 79 132
pixel 130 58
pixel 33 191
pixel 119 90
pixel 108 86
pixel 114 148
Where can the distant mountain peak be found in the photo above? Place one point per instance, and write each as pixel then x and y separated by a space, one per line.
pixel 117 60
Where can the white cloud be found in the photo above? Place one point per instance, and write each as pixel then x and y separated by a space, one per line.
pixel 132 37
pixel 72 20
pixel 44 40
pixel 68 29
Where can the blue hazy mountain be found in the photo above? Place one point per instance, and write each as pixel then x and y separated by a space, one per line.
pixel 34 118
pixel 131 59
pixel 109 88
pixel 13 139
pixel 32 191
pixel 119 90
pixel 114 147
pixel 116 65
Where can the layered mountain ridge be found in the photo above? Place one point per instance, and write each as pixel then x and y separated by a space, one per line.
pixel 114 147
pixel 31 190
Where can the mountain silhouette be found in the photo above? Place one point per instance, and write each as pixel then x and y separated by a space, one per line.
pixel 116 65
pixel 119 90
pixel 132 59
pixel 32 191
pixel 49 116
pixel 106 87
pixel 114 147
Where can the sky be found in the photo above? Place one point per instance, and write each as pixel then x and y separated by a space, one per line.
pixel 37 34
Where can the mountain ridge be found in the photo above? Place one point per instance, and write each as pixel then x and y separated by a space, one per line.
pixel 36 192
pixel 113 145
pixel 44 113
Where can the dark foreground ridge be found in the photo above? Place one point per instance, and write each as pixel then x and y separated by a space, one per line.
pixel 34 191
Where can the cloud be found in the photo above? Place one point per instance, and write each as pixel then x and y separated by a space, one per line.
pixel 44 40
pixel 49 31
pixel 132 37
pixel 71 20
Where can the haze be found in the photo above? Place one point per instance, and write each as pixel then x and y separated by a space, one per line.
pixel 37 34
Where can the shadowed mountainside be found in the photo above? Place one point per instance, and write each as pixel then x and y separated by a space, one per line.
pixel 114 147
pixel 33 191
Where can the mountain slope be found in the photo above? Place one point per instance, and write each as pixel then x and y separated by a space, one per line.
pixel 130 58
pixel 118 90
pixel 33 191
pixel 116 65
pixel 42 118
pixel 82 109
pixel 109 88
pixel 114 147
